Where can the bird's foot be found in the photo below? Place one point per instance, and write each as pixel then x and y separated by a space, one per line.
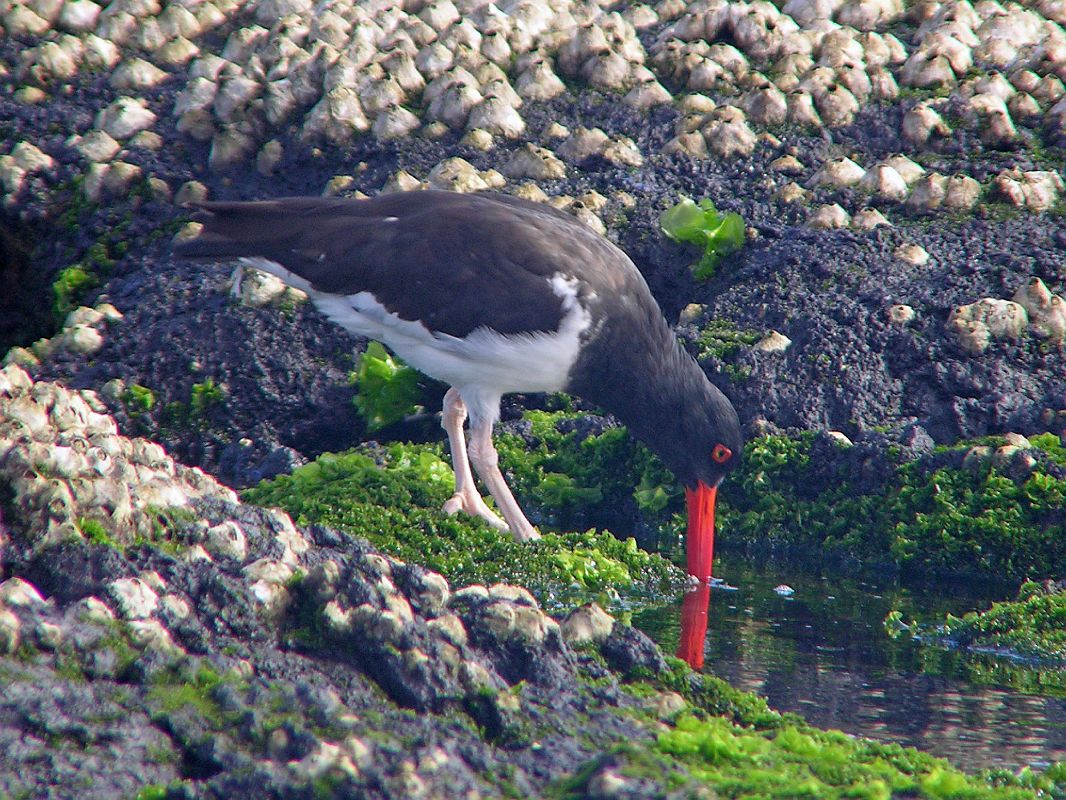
pixel 471 503
pixel 523 531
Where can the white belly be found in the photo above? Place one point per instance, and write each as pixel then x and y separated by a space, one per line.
pixel 484 365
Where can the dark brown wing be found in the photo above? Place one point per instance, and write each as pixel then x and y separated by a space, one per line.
pixel 454 261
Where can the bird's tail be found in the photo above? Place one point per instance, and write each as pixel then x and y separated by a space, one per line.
pixel 233 229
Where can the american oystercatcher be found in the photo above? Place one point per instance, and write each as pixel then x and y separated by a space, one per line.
pixel 492 294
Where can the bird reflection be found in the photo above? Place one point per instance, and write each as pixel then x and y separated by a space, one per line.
pixel 694 625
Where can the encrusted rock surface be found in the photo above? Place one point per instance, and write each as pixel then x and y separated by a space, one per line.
pixel 362 100
pixel 893 164
pixel 298 656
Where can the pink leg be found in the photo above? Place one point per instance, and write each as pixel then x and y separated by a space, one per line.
pixel 466 497
pixel 486 462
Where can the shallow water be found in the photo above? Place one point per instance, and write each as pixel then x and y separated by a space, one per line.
pixel 822 652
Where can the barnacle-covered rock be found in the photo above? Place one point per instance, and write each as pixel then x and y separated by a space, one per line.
pixel 839 173
pixel 974 326
pixel 885 182
pixel 1046 311
pixel 928 193
pixel 103 180
pixel 913 254
pixel 498 117
pixel 1036 189
pixel 588 623
pixel 866 219
pixel 829 216
pixel 535 163
pixel 125 117
pixel 923 122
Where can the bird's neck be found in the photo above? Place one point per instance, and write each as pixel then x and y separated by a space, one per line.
pixel 641 374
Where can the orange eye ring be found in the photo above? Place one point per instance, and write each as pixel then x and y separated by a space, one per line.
pixel 721 454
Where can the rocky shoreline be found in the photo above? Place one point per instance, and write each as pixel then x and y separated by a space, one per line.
pixel 899 169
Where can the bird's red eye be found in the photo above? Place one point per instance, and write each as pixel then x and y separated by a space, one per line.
pixel 721 453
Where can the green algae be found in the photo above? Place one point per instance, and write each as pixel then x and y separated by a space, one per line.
pixel 731 743
pixel 701 224
pixel 721 340
pixel 70 285
pixel 138 398
pixel 926 515
pixel 392 497
pixel 569 474
pixel 388 390
pixel 575 477
pixel 1030 627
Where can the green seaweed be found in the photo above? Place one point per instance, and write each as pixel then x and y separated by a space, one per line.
pixel 928 517
pixel 138 399
pixel 1031 626
pixel 388 390
pixel 701 224
pixel 69 287
pixel 204 395
pixel 392 497
pixel 576 479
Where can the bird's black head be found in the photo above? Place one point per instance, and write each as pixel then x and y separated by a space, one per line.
pixel 707 443
pixel 687 421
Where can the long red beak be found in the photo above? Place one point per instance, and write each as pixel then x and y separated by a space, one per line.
pixel 699 544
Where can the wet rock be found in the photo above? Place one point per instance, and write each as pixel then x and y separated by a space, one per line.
pixel 628 650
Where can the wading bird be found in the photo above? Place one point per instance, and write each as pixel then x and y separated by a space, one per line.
pixel 492 294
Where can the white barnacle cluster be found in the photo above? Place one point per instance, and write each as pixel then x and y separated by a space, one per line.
pixel 1034 309
pixel 336 70
pixel 66 465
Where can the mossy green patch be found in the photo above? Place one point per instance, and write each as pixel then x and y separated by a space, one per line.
pixel 721 340
pixel 799 761
pixel 189 687
pixel 204 395
pixel 138 399
pixel 393 496
pixel 70 285
pixel 1031 626
pixel 939 518
pixel 204 398
pixel 95 531
pixel 732 743
pixel 575 477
